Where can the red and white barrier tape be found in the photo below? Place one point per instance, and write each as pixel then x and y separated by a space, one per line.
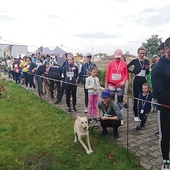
pixel 159 104
pixel 47 78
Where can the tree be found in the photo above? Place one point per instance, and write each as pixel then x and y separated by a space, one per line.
pixel 152 45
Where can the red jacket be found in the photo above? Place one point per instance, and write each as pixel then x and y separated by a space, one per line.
pixel 116 72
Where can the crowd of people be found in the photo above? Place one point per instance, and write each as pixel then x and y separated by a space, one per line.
pixel 150 82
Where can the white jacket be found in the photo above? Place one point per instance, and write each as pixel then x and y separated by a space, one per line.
pixel 90 82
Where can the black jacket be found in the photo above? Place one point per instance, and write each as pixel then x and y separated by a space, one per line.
pixel 55 72
pixel 138 66
pixel 41 70
pixel 160 78
pixel 70 69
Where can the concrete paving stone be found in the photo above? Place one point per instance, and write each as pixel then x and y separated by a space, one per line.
pixel 147 151
pixel 144 159
pixel 144 135
pixel 155 154
pixel 142 152
pixel 154 163
pixel 140 142
pixel 156 142
pixel 132 145
pixel 153 148
pixel 136 150
pixel 139 136
pixel 142 147
pixel 146 165
pixel 156 167
pixel 148 139
pixel 159 160
pixel 131 140
pixel 131 136
pixel 137 153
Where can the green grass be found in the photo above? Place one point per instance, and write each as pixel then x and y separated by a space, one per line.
pixel 37 135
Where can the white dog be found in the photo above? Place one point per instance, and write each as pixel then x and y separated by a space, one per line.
pixel 81 130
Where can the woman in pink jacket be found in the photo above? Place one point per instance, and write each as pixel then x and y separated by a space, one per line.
pixel 116 76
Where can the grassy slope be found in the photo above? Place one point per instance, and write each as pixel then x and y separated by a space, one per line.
pixel 37 135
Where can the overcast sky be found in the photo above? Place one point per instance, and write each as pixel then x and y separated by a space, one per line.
pixel 84 25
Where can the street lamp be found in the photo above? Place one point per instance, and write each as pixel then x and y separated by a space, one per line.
pixel 92 53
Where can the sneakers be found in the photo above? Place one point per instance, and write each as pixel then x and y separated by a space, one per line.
pixel 165 165
pixel 58 101
pixel 139 127
pixel 89 120
pixel 75 110
pixel 85 110
pixel 122 123
pixel 143 128
pixel 69 110
pixel 136 119
pixel 157 134
pixel 42 96
pixel 115 134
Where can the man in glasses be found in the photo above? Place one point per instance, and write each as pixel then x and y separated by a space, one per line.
pixel 140 70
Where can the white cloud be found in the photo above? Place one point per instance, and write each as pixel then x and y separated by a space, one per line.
pixel 82 25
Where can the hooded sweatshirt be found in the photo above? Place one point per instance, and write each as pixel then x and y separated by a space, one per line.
pixel 160 77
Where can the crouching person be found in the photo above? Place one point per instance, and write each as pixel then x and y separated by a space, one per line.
pixel 111 114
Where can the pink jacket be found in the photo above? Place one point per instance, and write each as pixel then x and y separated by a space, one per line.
pixel 116 72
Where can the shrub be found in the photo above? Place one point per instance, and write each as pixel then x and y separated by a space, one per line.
pixel 101 76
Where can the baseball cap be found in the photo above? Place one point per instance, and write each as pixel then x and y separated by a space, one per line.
pixel 88 55
pixel 118 53
pixel 105 94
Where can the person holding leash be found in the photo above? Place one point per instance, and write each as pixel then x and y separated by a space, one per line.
pixel 111 114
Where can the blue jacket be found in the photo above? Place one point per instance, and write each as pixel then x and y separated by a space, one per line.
pixel 84 70
pixel 146 106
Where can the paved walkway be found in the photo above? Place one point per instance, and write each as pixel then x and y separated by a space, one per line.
pixel 142 143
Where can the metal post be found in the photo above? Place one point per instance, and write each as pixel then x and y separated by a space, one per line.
pixel 127 126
